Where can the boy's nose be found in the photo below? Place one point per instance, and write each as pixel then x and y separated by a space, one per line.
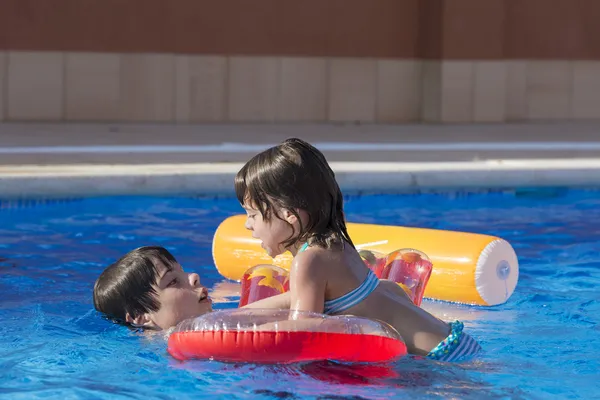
pixel 247 225
pixel 194 279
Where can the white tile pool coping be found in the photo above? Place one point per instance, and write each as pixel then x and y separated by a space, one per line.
pixel 23 181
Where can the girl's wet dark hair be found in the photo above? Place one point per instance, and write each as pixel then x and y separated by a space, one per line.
pixel 127 286
pixel 295 175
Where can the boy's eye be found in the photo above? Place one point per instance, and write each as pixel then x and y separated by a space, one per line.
pixel 172 283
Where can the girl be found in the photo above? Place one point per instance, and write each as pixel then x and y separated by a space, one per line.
pixel 294 203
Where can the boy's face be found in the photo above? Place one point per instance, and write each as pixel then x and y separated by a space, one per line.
pixel 180 296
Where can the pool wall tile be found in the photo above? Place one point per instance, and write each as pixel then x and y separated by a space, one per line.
pixel 3 61
pixel 253 90
pixel 303 89
pixel 457 86
pixel 586 90
pixel 92 86
pixel 352 89
pixel 549 90
pixel 399 90
pixel 447 89
pixel 430 91
pixel 516 90
pixel 35 86
pixel 147 87
pixel 489 97
pixel 201 88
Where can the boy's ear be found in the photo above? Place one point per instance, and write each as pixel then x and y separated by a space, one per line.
pixel 141 321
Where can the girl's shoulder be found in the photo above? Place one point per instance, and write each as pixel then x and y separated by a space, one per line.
pixel 317 261
pixel 310 255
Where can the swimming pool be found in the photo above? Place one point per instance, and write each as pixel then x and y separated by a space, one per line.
pixel 542 343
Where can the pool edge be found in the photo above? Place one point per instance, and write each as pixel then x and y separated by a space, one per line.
pixel 22 181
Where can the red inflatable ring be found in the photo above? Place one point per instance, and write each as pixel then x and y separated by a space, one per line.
pixel 269 336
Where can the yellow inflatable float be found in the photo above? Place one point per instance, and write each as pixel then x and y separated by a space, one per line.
pixel 467 268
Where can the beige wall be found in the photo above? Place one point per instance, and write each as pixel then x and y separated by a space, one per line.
pixel 58 86
pixel 385 61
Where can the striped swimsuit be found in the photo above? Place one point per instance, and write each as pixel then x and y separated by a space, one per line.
pixel 352 298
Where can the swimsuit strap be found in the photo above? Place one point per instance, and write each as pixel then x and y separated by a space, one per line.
pixel 354 297
pixel 304 247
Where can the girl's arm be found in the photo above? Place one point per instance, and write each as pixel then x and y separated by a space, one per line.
pixel 280 301
pixel 308 281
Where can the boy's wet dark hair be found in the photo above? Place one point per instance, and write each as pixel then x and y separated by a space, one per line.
pixel 127 286
pixel 295 175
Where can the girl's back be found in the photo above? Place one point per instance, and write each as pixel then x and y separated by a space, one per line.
pixel 346 273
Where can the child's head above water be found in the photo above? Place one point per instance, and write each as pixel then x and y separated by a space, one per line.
pixel 291 197
pixel 147 288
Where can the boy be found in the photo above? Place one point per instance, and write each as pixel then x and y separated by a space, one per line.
pixel 147 288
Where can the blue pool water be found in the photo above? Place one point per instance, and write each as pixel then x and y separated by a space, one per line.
pixel 542 344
